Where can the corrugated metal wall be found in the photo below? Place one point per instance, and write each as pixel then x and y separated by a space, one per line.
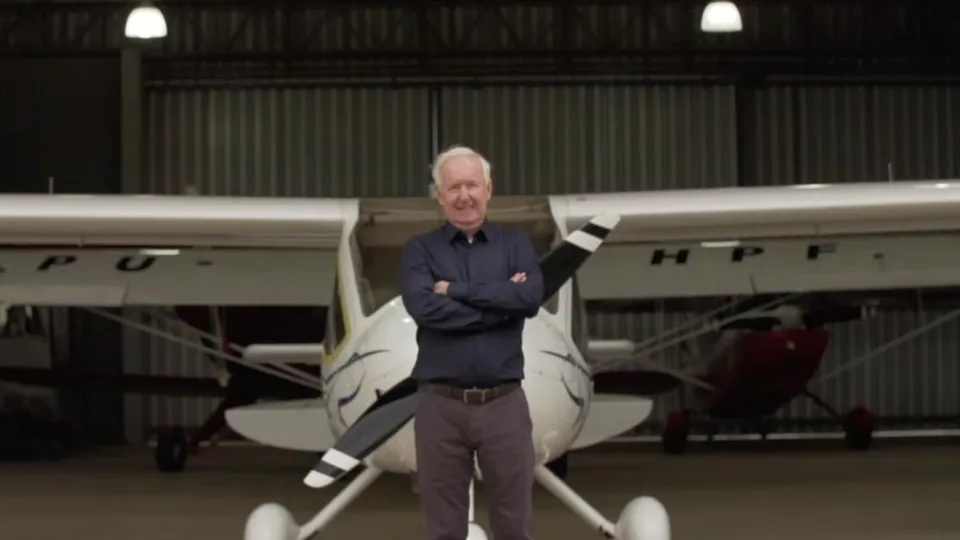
pixel 376 142
pixel 823 134
pixel 145 354
pixel 288 142
pixel 602 138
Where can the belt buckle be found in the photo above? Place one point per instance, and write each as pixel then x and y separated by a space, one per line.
pixel 480 391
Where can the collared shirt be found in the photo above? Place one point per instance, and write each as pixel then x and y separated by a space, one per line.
pixel 473 334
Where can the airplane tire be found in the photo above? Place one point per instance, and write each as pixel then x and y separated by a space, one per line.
pixel 559 466
pixel 675 434
pixel 858 429
pixel 170 454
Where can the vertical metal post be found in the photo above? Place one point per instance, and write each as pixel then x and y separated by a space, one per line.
pixel 434 110
pixel 134 349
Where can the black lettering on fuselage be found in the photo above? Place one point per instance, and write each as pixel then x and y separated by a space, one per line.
pixel 680 257
pixel 56 260
pixel 738 254
pixel 132 264
pixel 746 251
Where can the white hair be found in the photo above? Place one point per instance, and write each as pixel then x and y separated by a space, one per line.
pixel 458 151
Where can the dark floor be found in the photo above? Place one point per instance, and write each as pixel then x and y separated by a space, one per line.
pixel 889 493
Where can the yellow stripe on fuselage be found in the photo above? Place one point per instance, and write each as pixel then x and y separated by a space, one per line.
pixel 332 357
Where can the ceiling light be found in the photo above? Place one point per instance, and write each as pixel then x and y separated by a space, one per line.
pixel 721 17
pixel 146 22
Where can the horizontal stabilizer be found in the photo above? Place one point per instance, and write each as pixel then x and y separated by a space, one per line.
pixel 602 350
pixel 292 425
pixel 292 353
pixel 612 415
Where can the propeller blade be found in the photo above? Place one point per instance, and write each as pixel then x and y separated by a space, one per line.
pixel 396 407
pixel 563 261
pixel 377 424
pixel 821 317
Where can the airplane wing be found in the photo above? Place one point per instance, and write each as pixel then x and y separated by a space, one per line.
pixel 746 241
pixel 115 250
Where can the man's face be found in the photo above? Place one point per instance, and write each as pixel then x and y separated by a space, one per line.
pixel 463 192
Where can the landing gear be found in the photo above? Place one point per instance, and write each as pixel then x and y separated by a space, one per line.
pixel 173 445
pixel 858 428
pixel 272 521
pixel 676 432
pixel 858 424
pixel 644 518
pixel 171 451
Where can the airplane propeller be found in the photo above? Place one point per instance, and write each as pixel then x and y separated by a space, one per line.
pixel 396 407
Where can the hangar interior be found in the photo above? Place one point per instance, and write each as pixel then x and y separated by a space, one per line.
pixel 325 99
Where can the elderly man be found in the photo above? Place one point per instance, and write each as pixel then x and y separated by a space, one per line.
pixel 470 285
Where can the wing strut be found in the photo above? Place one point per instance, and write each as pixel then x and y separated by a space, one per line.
pixel 212 352
pixel 278 369
pixel 397 406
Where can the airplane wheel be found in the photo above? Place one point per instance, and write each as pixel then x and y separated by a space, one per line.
pixel 270 521
pixel 675 433
pixel 858 428
pixel 559 466
pixel 171 451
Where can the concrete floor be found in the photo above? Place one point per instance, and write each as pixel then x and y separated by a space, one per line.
pixel 892 493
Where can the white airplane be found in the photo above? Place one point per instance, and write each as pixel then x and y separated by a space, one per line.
pixel 235 251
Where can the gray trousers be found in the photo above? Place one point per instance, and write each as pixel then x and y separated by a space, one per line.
pixel 448 434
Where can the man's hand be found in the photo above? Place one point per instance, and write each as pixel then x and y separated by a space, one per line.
pixel 519 277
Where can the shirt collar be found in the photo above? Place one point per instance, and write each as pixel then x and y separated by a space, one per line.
pixel 487 231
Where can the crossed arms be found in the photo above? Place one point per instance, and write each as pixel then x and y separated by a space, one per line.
pixel 470 306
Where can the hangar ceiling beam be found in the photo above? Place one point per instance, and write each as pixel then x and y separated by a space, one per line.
pixel 428 38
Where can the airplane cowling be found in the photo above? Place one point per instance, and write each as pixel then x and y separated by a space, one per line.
pixel 764 372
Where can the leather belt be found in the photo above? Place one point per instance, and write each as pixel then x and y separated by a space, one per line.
pixel 471 396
